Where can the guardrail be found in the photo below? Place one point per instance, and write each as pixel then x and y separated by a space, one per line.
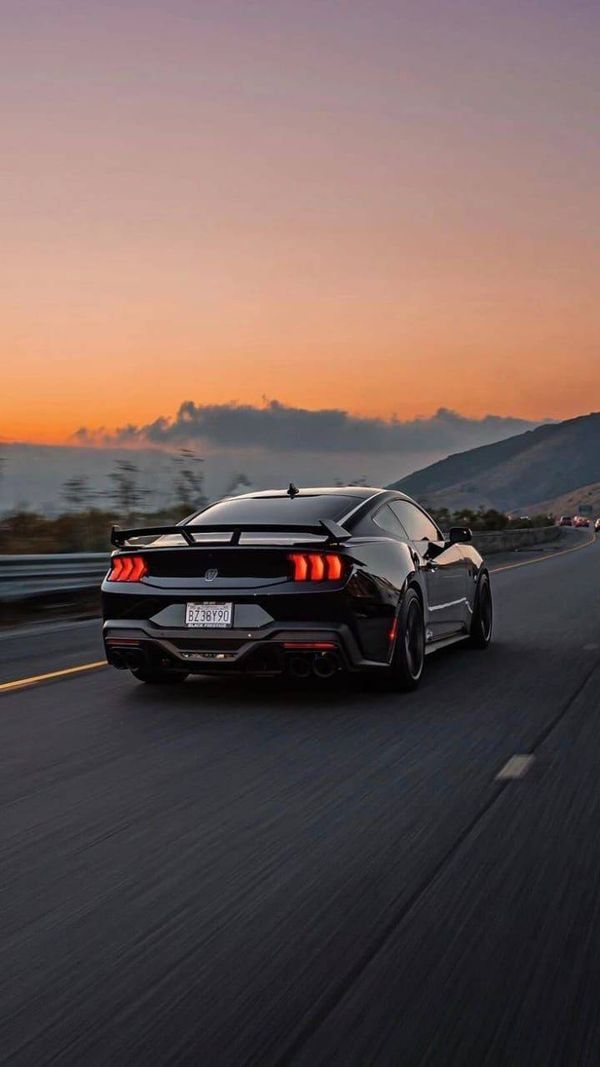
pixel 27 576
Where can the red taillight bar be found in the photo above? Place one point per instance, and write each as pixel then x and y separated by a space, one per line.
pixel 300 565
pixel 316 566
pixel 320 646
pixel 127 569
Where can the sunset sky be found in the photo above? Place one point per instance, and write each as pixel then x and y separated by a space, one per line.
pixel 382 206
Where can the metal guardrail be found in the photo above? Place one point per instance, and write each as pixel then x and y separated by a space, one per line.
pixel 25 576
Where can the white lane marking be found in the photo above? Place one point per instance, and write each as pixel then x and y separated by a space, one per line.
pixel 41 628
pixel 515 767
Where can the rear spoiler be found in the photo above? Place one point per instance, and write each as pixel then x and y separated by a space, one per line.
pixel 325 527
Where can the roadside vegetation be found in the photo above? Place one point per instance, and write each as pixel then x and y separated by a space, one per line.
pixel 488 519
pixel 88 530
pixel 86 514
pixel 84 531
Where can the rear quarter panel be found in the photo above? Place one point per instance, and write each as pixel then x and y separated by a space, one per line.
pixel 475 564
pixel 382 569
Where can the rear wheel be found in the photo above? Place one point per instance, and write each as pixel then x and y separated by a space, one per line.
pixel 408 658
pixel 483 616
pixel 156 676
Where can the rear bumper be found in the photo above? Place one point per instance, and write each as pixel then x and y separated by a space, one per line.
pixel 133 643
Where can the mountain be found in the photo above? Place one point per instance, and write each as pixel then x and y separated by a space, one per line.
pixel 569 503
pixel 523 471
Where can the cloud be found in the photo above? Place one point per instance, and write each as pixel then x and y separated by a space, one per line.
pixel 277 426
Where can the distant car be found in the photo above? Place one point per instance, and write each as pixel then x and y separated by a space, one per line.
pixel 597 525
pixel 303 582
pixel 565 520
pixel 581 520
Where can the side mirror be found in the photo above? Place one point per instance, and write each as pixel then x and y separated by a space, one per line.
pixel 459 535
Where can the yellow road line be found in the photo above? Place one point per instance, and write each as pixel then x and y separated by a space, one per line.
pixel 542 559
pixel 21 683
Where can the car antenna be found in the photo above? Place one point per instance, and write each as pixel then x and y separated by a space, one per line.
pixel 292 491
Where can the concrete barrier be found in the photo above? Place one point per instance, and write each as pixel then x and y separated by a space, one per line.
pixel 489 541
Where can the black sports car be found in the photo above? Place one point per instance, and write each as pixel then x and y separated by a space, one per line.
pixel 309 581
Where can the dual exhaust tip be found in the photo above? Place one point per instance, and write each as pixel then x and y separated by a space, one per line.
pixel 125 658
pixel 321 664
pixel 299 664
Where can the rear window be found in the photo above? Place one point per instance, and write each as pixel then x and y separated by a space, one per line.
pixel 276 509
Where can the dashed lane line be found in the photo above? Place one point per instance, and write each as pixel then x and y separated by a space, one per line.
pixel 515 767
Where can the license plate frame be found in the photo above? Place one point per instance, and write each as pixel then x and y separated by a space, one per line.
pixel 209 615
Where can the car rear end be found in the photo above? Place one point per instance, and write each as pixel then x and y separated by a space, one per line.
pixel 203 609
pixel 259 584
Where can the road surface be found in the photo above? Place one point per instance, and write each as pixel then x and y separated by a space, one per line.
pixel 239 874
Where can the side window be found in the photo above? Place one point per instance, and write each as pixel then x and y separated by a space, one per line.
pixel 416 523
pixel 386 519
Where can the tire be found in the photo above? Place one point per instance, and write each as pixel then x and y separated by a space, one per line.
pixel 408 658
pixel 156 676
pixel 483 614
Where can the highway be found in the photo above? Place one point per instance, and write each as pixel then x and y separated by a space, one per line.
pixel 230 873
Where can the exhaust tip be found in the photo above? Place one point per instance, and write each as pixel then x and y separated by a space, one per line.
pixel 325 664
pixel 117 660
pixel 299 666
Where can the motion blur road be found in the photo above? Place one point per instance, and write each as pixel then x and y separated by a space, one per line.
pixel 227 873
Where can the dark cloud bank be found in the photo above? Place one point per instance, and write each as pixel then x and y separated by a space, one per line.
pixel 279 427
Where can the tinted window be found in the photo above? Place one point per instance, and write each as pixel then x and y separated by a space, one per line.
pixel 414 521
pixel 388 522
pixel 276 509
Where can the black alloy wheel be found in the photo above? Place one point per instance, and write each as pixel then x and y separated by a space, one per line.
pixel 483 614
pixel 408 657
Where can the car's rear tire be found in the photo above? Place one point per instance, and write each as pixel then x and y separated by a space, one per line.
pixel 408 658
pixel 483 615
pixel 156 676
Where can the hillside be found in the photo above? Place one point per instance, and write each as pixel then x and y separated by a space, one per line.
pixel 568 503
pixel 523 471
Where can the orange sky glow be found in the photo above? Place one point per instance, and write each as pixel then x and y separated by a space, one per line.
pixel 385 208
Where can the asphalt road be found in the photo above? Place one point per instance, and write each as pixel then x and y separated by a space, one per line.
pixel 240 874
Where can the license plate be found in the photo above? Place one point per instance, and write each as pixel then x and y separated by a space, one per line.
pixel 209 616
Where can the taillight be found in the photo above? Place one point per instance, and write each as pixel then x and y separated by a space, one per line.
pixel 127 569
pixel 316 566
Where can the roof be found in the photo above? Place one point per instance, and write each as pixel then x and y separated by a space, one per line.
pixel 361 492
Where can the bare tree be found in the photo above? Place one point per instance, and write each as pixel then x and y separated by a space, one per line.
pixel 355 481
pixel 238 484
pixel 189 481
pixel 77 493
pixel 126 494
